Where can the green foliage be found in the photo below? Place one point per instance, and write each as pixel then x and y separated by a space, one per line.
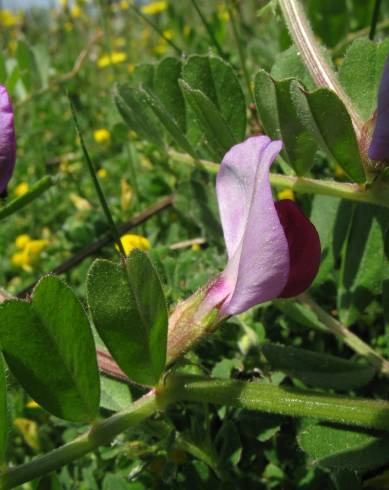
pixel 317 369
pixel 129 311
pixel 361 84
pixel 48 346
pixel 336 447
pixel 323 113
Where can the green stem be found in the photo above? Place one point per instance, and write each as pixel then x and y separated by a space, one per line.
pixel 349 338
pixel 376 194
pixel 99 435
pixel 294 402
pixel 374 19
pixel 312 56
pixel 36 191
pixel 96 183
pixel 242 57
pixel 208 29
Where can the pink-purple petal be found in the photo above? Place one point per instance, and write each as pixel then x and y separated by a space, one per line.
pixel 257 247
pixel 304 248
pixel 7 139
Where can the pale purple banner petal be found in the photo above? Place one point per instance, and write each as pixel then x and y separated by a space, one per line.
pixel 257 247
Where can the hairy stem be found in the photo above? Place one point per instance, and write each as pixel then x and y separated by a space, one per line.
pixel 101 434
pixel 312 56
pixel 376 194
pixel 293 402
pixel 283 400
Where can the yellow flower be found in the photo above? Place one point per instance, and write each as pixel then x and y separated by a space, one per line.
pixel 102 173
pixel 101 135
pixel 196 247
pixel 339 172
pixel 32 404
pixel 161 47
pixel 76 11
pixel 223 13
pixel 79 202
pixel 22 189
pixel 29 431
pixel 126 195
pixel 168 33
pixel 30 255
pixel 22 240
pixel 131 242
pixel 7 18
pixel 286 194
pixel 187 30
pixel 111 59
pixel 63 3
pixel 154 8
pixel 130 68
pixel 124 5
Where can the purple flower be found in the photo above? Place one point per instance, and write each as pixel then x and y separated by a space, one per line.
pixel 273 249
pixel 379 146
pixel 7 139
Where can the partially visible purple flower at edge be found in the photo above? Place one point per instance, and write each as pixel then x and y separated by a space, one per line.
pixel 273 249
pixel 379 146
pixel 7 140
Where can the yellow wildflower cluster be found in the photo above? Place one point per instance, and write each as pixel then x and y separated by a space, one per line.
pixel 286 194
pixel 30 252
pixel 223 14
pixel 111 59
pixel 131 242
pixel 101 135
pixel 154 8
pixel 9 19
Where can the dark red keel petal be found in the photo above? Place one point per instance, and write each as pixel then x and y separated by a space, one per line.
pixel 304 248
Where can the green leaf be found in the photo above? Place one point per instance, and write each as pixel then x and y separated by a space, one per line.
pixel 196 200
pixel 28 66
pixel 3 69
pixel 299 313
pixel 115 395
pixel 170 124
pixel 218 134
pixel 317 369
pixel 326 117
pixel 228 445
pixel 49 482
pixel 324 215
pixel 166 87
pixel 136 113
pixel 336 447
pixel 49 347
pixel 3 413
pixel 361 72
pixel 363 261
pixel 280 119
pixel 129 311
pixel 289 64
pixel 216 79
pixel 330 20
